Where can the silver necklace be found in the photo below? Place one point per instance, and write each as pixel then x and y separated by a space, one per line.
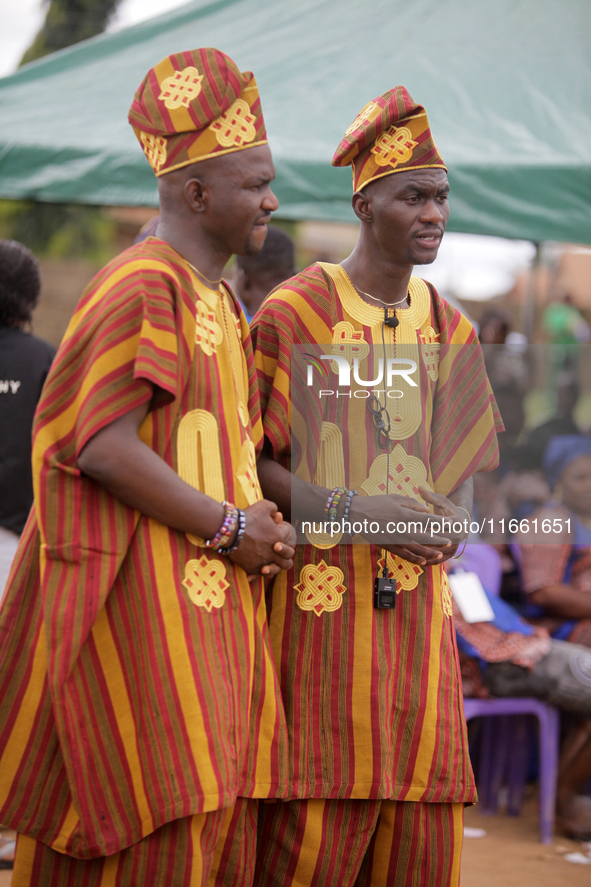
pixel 385 304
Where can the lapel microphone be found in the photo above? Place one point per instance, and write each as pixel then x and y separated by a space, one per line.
pixel 392 322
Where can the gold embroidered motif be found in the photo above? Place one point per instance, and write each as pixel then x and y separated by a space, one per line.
pixel 406 473
pixel 329 472
pixel 154 149
pixel 320 588
pixel 235 128
pixel 208 332
pixel 247 473
pixel 210 297
pixel 411 319
pixel 348 342
pixel 330 462
pixel 446 598
pixel 405 573
pixel 429 340
pixel 242 414
pixel 205 580
pixel 179 90
pixel 405 412
pixel 394 146
pixel 363 118
pixel 237 327
pixel 199 462
pixel 237 359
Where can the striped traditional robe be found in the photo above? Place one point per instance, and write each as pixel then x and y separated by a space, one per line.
pixel 134 663
pixel 373 697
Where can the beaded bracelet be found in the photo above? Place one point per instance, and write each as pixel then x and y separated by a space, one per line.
pixel 229 524
pixel 239 534
pixel 330 509
pixel 333 510
pixel 348 501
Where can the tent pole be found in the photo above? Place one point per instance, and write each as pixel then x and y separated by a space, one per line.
pixel 528 314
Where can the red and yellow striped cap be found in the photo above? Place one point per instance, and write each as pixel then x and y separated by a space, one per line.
pixel 391 134
pixel 194 105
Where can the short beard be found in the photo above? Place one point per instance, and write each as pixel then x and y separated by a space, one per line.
pixel 414 261
pixel 250 249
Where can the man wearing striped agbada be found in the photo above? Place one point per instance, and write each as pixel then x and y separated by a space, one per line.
pixel 138 698
pixel 378 758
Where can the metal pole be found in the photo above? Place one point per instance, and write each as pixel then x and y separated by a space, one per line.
pixel 529 308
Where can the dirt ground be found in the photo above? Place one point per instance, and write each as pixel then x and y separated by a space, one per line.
pixel 510 854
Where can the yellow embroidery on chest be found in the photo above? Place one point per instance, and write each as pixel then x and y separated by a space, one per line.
pixel 208 332
pixel 330 473
pixel 405 573
pixel 154 149
pixel 235 128
pixel 199 461
pixel 235 350
pixel 179 90
pixel 320 588
pixel 394 146
pixel 403 402
pixel 210 297
pixel 348 342
pixel 430 346
pixel 406 473
pixel 206 583
pixel 247 473
pixel 446 598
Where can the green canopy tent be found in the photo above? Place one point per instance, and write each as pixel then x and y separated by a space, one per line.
pixel 506 83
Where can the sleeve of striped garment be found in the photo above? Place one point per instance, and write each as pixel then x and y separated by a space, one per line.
pixel 129 342
pixel 272 332
pixel 466 418
pixel 121 349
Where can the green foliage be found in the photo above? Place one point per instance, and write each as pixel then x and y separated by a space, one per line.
pixel 68 22
pixel 58 230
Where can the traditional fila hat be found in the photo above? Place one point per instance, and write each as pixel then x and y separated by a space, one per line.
pixel 194 105
pixel 391 134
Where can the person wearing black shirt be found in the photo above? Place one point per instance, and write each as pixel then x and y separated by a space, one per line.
pixel 24 363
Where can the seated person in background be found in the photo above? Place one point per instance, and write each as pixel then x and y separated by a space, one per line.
pixel 509 657
pixel 557 577
pixel 256 276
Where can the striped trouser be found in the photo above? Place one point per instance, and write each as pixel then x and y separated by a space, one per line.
pixel 183 853
pixel 323 843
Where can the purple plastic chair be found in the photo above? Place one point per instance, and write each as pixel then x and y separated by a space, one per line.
pixel 505 751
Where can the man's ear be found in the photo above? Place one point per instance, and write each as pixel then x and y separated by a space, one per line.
pixel 197 194
pixel 361 203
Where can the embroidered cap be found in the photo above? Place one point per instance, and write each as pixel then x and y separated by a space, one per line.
pixel 391 134
pixel 194 105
